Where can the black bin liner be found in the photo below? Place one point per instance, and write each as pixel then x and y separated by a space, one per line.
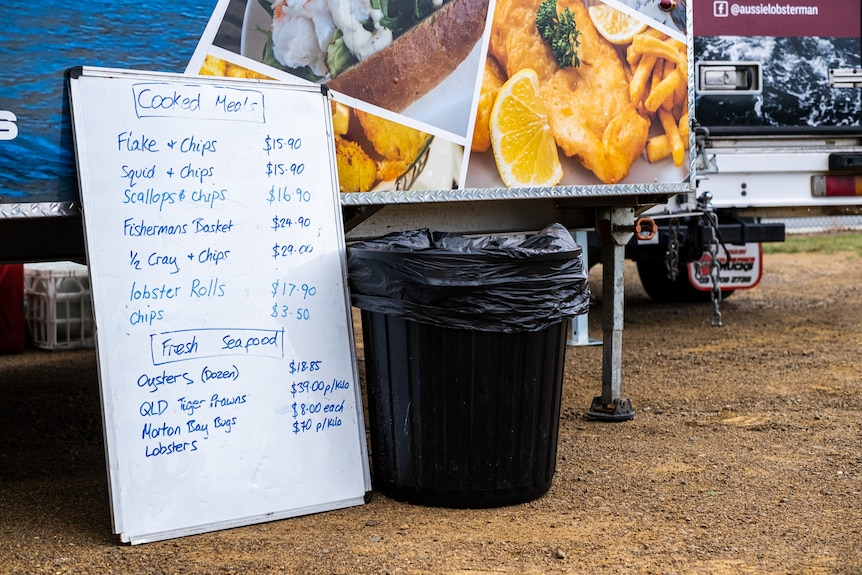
pixel 465 344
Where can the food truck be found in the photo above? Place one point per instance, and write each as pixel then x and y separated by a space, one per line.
pixel 657 130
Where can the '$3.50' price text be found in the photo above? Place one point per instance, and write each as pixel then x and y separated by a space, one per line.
pixel 284 311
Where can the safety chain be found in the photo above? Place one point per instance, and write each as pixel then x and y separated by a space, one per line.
pixel 671 260
pixel 712 242
pixel 714 267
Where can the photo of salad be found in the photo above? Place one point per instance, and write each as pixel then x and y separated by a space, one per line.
pixel 318 39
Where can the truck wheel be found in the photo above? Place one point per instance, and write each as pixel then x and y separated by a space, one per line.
pixel 660 288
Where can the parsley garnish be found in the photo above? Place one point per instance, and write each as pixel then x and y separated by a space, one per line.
pixel 560 32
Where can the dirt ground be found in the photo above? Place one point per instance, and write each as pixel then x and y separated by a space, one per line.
pixel 745 456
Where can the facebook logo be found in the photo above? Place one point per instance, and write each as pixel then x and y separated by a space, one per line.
pixel 719 9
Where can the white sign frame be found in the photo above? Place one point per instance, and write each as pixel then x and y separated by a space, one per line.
pixel 217 261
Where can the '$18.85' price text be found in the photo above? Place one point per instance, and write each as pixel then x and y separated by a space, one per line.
pixel 303 366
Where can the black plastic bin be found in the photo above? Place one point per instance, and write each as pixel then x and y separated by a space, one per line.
pixel 464 342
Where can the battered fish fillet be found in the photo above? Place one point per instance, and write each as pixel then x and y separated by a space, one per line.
pixel 589 109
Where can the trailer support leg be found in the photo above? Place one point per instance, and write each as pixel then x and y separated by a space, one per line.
pixel 615 227
pixel 580 324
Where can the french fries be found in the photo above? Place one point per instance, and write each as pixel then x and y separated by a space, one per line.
pixel 370 150
pixel 659 147
pixel 674 139
pixel 658 87
pixel 662 92
pixel 214 66
pixel 640 77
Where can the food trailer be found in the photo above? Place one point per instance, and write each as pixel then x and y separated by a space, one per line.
pixel 649 137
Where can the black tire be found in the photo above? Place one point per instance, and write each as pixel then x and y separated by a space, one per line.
pixel 660 288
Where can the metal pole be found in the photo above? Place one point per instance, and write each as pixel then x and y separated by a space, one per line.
pixel 616 228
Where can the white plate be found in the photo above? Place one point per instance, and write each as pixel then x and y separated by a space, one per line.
pixel 482 172
pixel 252 40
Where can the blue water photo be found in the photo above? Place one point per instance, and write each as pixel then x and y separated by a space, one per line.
pixel 39 43
pixel 796 93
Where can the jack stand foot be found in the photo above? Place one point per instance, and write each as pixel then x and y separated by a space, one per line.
pixel 620 410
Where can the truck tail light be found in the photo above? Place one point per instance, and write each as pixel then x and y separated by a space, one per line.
pixel 832 186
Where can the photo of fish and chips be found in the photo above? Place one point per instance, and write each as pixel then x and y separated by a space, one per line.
pixel 215 66
pixel 371 151
pixel 584 92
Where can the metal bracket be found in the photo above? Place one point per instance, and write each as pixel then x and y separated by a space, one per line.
pixel 619 410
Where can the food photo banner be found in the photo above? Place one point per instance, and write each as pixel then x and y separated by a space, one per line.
pixel 476 93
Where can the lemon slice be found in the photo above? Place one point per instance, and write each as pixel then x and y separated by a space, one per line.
pixel 617 27
pixel 521 139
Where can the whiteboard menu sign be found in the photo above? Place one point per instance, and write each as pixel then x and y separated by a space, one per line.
pixel 230 391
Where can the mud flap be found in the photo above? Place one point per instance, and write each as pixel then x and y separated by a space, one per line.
pixel 741 270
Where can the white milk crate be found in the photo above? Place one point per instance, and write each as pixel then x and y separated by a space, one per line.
pixel 59 309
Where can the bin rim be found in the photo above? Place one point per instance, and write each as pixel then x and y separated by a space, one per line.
pixel 381 252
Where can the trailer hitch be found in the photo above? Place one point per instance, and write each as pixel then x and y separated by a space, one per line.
pixel 644 228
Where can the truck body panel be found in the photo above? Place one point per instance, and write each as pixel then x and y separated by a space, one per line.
pixel 764 68
pixel 778 123
pixel 775 100
pixel 37 163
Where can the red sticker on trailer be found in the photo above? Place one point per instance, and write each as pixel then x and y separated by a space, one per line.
pixel 817 18
pixel 743 270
